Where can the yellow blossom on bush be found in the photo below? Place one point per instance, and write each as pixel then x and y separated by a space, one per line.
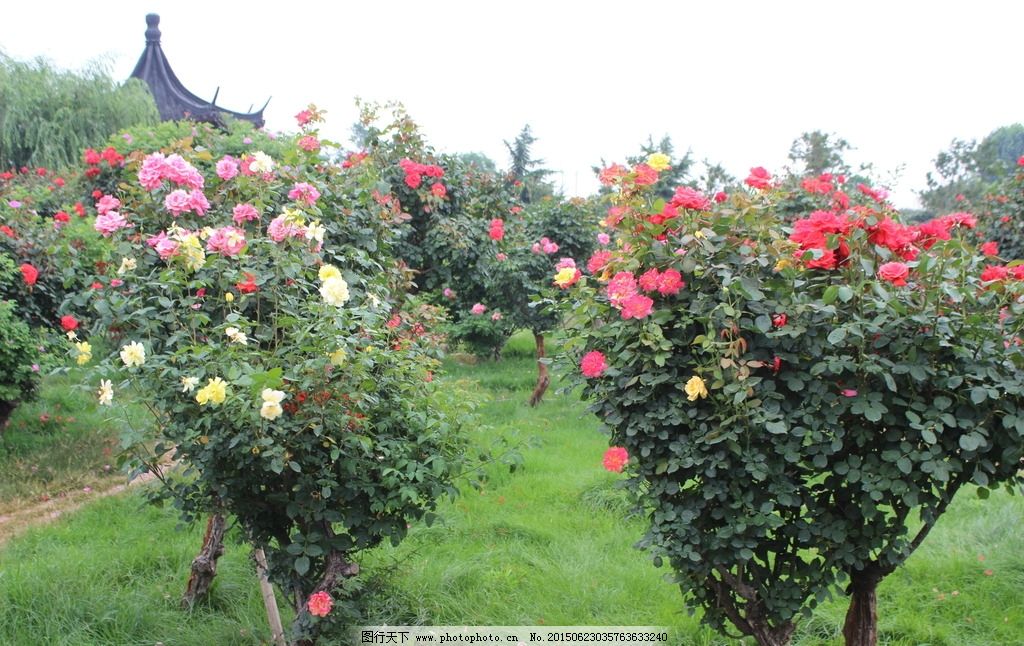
pixel 133 354
pixel 106 392
pixel 84 352
pixel 229 297
pixel 335 291
pixel 695 388
pixel 214 392
pixel 659 161
pixel 566 276
pixel 261 162
pixel 785 263
pixel 271 408
pixel 338 357
pixel 236 335
pixel 315 231
pixel 127 264
pixel 191 251
pixel 329 271
pixel 188 384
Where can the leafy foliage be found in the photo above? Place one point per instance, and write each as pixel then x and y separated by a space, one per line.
pixel 48 116
pixel 18 352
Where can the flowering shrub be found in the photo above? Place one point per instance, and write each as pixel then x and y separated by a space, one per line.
pixel 253 320
pixel 1001 213
pixel 799 404
pixel 18 353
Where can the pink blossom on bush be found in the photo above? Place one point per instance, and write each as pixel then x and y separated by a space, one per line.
pixel 227 168
pixel 178 202
pixel 496 316
pixel 244 213
pixel 598 261
pixel 320 603
pixel 894 272
pixel 603 238
pixel 448 293
pixel 198 202
pixel 227 241
pixel 163 245
pixel 759 178
pixel 620 287
pixel 413 180
pixel 636 306
pixel 989 249
pixel 309 143
pixel 304 192
pixel 565 262
pixel 615 459
pixel 281 228
pixel 107 203
pixel 151 173
pixel 478 309
pixel 593 364
pixel 437 189
pixel 109 222
pixel 688 198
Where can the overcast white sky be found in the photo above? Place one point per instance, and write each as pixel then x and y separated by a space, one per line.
pixel 734 81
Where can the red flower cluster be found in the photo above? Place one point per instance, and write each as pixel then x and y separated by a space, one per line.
pixel 993 273
pixel 414 172
pixel 497 231
pixel 93 159
pixel 598 261
pixel 759 178
pixel 612 174
pixel 820 185
pixel 354 159
pixel 812 234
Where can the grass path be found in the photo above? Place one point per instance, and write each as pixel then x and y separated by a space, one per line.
pixel 550 544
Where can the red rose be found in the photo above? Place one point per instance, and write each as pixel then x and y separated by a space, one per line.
pixel 994 272
pixel 413 180
pixel 721 196
pixel 759 178
pixel 61 216
pixel 29 273
pixel 438 189
pixel 68 322
pixel 894 272
pixel 91 157
pixel 990 249
pixel 7 231
pixel 780 320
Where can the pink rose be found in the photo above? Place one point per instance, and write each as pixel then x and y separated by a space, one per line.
pixel 593 364
pixel 894 272
pixel 107 203
pixel 198 202
pixel 303 192
pixel 227 168
pixel 163 245
pixel 478 309
pixel 178 202
pixel 227 241
pixel 244 213
pixel 109 222
pixel 603 238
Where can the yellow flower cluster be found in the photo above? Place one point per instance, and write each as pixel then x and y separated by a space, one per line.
pixel 334 289
pixel 214 392
pixel 84 352
pixel 271 408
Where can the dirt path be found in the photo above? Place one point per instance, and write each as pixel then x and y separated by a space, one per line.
pixel 16 521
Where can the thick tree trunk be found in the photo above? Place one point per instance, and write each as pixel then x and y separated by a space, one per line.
pixel 204 565
pixel 543 380
pixel 861 627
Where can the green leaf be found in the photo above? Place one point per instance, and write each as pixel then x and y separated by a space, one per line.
pixel 776 428
pixel 763 323
pixel 845 293
pixel 978 394
pixel 830 295
pixel 837 336
pixel 302 565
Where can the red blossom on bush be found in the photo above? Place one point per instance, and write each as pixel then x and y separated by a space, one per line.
pixel 68 322
pixel 612 174
pixel 993 273
pixel 636 306
pixel 780 320
pixel 759 178
pixel 437 189
pixel 29 274
pixel 320 604
pixel 989 249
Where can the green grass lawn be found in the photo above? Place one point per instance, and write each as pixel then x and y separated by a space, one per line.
pixel 549 544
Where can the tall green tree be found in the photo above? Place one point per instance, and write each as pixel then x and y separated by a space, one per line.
pixel 525 172
pixel 818 152
pixel 968 169
pixel 48 116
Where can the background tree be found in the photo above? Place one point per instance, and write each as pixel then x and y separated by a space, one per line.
pixel 817 152
pixel 48 116
pixel 968 170
pixel 527 174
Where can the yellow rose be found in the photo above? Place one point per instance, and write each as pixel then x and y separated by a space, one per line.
pixel 658 161
pixel 329 271
pixel 338 357
pixel 335 291
pixel 695 388
pixel 271 408
pixel 566 276
pixel 84 352
pixel 214 392
pixel 133 354
pixel 106 392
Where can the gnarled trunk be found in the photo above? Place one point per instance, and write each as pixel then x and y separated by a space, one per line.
pixel 204 565
pixel 336 568
pixel 543 380
pixel 861 626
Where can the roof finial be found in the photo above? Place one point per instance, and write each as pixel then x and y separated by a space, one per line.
pixel 153 31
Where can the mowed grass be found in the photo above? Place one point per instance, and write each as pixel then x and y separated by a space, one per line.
pixel 550 544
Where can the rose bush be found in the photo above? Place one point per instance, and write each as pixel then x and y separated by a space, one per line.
pixel 800 403
pixel 19 354
pixel 251 311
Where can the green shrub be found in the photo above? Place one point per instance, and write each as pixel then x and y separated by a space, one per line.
pixel 19 353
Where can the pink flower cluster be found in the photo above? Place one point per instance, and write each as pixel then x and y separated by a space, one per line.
pixel 106 204
pixel 180 201
pixel 612 174
pixel 164 246
pixel 544 246
pixel 478 309
pixel 309 143
pixel 994 273
pixel 759 178
pixel 624 295
pixel 497 231
pixel 414 172
pixel 599 260
pixel 156 168
pixel 281 228
pixel 109 222
pixel 593 364
pixel 303 192
pixel 227 241
pixel 665 283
